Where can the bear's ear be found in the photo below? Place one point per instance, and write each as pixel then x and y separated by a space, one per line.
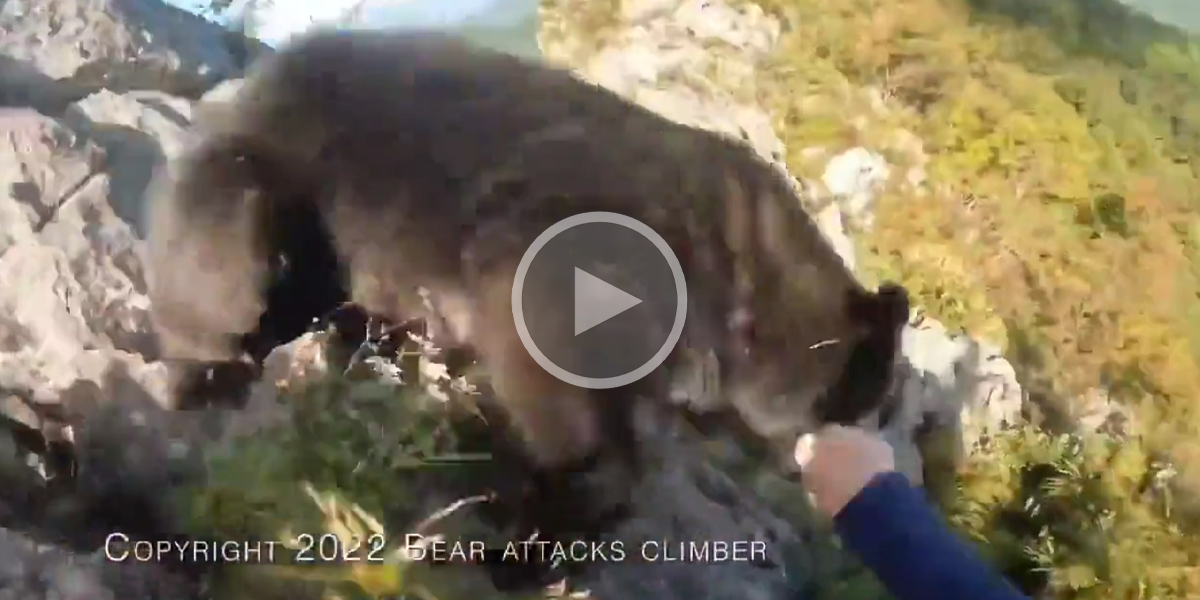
pixel 882 312
pixel 866 378
pixel 896 305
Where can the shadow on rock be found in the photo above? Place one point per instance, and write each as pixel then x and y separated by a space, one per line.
pixel 131 156
pixel 22 85
pixel 131 454
pixel 202 63
pixel 167 111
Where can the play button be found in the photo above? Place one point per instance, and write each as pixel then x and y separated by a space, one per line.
pixel 599 300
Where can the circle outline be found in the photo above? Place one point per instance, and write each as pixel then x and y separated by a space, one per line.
pixel 600 383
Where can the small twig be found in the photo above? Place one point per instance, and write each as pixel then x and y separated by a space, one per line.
pixel 448 510
pixel 455 458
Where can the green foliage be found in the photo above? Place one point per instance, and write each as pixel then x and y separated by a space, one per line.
pixel 356 437
pixel 346 451
pixel 1074 517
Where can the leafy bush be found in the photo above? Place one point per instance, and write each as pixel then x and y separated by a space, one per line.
pixel 345 461
pixel 1076 517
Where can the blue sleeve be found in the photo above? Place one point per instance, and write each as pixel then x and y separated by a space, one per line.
pixel 912 550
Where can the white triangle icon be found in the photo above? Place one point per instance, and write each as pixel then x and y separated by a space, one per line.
pixel 597 301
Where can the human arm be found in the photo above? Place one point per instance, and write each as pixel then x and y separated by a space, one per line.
pixel 889 524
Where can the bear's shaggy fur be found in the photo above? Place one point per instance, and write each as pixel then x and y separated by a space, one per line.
pixel 425 162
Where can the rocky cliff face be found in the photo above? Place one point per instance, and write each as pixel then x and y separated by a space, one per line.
pixel 95 93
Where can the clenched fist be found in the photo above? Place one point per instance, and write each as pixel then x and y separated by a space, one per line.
pixel 837 462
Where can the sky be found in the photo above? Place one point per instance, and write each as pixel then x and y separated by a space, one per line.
pixel 1184 13
pixel 508 25
pixel 288 17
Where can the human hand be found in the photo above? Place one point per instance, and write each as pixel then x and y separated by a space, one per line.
pixel 837 462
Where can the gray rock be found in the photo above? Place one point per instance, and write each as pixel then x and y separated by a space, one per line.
pixel 75 186
pixel 74 329
pixel 954 383
pixel 1097 411
pixel 85 45
pixel 854 178
pixel 31 570
pixel 221 93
